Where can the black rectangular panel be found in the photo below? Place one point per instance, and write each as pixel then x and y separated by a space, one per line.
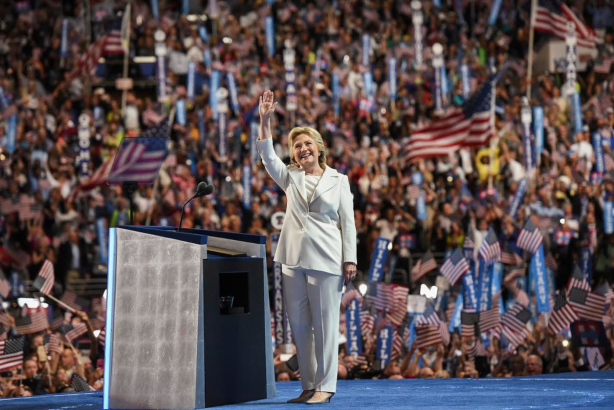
pixel 235 367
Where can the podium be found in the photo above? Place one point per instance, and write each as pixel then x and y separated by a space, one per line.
pixel 170 343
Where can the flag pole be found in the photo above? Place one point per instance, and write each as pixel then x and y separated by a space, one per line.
pixel 494 139
pixel 171 118
pixel 531 42
pixel 59 302
pixel 126 47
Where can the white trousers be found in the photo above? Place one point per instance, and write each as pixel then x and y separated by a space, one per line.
pixel 312 300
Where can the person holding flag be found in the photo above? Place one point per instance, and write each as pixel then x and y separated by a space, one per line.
pixel 317 249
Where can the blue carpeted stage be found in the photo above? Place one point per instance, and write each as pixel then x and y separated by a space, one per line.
pixel 593 390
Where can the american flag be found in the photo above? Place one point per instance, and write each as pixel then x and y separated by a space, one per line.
pixel 509 257
pixel 530 238
pixel 603 65
pixel 71 299
pixel 552 17
pixel 33 323
pixel 429 335
pixel 468 244
pixel 367 322
pixel 563 314
pixel 468 126
pixel 454 267
pixel 99 177
pixel 398 311
pixel 151 117
pixel 96 320
pixel 73 331
pixel 3 331
pixel 45 279
pixel 52 344
pixel 470 323
pixel 490 251
pixel 26 18
pixel 582 165
pixel 426 264
pixel 380 296
pixel 108 44
pixel 400 337
pixel 78 383
pixel 5 287
pixel 30 211
pixel 594 358
pixel 161 130
pixel 57 320
pixel 477 349
pixel 578 280
pixel 491 318
pixel 428 317
pixel 588 305
pixel 516 318
pixel 102 334
pixel 521 297
pixel 11 353
pixel 166 23
pixel 139 160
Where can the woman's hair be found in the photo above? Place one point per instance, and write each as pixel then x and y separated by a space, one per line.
pixel 315 136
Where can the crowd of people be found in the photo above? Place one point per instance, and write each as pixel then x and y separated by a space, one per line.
pixel 50 211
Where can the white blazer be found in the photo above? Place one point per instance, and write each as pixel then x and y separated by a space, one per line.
pixel 319 234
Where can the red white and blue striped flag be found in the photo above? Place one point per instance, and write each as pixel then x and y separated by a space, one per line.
pixel 552 16
pixel 562 316
pixel 109 43
pixel 11 353
pixel 530 238
pixel 36 322
pixel 514 323
pixel 454 267
pixel 46 278
pixel 468 126
pixel 490 250
pixel 588 305
pixel 426 264
pixel 73 331
pixel 138 160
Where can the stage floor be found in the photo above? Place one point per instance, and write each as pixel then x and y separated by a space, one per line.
pixel 593 390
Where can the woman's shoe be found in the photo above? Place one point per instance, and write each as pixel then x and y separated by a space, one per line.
pixel 305 395
pixel 320 397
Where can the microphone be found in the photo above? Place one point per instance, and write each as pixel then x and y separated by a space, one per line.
pixel 203 189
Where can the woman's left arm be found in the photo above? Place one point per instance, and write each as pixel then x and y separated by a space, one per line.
pixel 348 229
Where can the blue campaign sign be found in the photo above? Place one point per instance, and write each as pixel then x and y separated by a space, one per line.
pixel 384 345
pixel 470 298
pixel 608 218
pixel 539 275
pixel 378 259
pixel 484 286
pixel 352 321
pixel 421 206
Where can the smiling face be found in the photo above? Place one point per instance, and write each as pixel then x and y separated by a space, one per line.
pixel 306 151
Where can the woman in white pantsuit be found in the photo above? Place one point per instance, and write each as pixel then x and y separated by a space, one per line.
pixel 317 250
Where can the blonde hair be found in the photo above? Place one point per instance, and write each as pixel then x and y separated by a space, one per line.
pixel 315 136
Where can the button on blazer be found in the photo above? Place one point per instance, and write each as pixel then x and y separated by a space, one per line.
pixel 318 232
